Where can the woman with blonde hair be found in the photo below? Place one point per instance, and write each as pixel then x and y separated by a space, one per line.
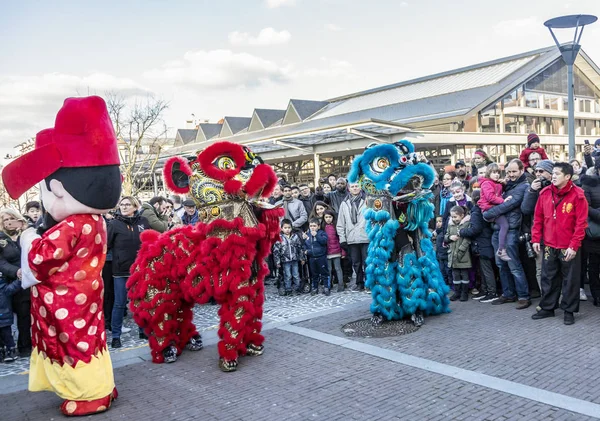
pixel 12 223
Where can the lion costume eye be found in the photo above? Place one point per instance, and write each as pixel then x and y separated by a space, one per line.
pixel 224 163
pixel 380 164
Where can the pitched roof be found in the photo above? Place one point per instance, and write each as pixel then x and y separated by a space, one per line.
pixel 237 124
pixel 186 136
pixel 305 108
pixel 269 117
pixel 209 130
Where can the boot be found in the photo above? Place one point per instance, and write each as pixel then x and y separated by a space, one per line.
pixel 464 294
pixel 457 291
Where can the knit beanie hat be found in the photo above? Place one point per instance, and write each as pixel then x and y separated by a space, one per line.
pixel 532 138
pixel 597 143
pixel 546 165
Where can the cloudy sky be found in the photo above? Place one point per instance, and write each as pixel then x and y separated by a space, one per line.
pixel 226 57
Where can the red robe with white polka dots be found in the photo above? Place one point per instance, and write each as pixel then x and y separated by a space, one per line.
pixel 66 307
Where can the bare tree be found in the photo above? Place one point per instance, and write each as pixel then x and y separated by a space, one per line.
pixel 142 134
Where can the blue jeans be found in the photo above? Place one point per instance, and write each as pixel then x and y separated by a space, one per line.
pixel 291 272
pixel 512 275
pixel 319 272
pixel 118 311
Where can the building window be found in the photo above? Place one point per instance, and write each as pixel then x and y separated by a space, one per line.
pixel 585 105
pixel 586 127
pixel 514 98
pixel 531 100
pixel 551 102
pixel 557 124
pixel 511 124
pixel 532 124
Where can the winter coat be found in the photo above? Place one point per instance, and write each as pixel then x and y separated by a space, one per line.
pixel 335 199
pixel 10 257
pixel 512 208
pixel 459 254
pixel 124 239
pixel 295 212
pixel 308 202
pixel 441 249
pixel 480 233
pixel 491 193
pixel 524 157
pixel 190 219
pixel 7 290
pixel 316 246
pixel 591 189
pixel 348 232
pixel 449 205
pixel 334 249
pixel 288 249
pixel 560 217
pixel 157 222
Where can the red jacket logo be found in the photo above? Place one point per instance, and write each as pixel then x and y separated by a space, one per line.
pixel 567 207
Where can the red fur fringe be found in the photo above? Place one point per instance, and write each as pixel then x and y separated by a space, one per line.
pixel 168 176
pixel 263 178
pixel 208 156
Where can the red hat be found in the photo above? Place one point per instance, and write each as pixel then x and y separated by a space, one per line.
pixel 83 136
pixel 532 138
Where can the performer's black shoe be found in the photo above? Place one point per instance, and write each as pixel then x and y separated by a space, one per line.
pixel 417 318
pixel 142 335
pixel 227 366
pixel 116 343
pixel 376 320
pixel 254 350
pixel 170 354
pixel 195 343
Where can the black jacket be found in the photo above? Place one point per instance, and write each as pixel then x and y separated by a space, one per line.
pixel 480 234
pixel 124 240
pixel 7 290
pixel 335 199
pixel 10 257
pixel 591 189
pixel 512 208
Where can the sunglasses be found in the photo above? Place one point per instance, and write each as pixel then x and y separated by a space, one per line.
pixel 539 171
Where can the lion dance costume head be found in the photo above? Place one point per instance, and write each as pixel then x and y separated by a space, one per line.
pixel 402 271
pixel 221 257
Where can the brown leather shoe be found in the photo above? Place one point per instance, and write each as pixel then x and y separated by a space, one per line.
pixel 521 304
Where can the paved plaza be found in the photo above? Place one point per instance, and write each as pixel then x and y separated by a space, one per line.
pixel 480 362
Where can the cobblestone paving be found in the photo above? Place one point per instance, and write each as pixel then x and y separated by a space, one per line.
pixel 277 308
pixel 297 378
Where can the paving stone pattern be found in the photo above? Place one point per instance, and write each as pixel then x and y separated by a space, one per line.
pixel 296 379
pixel 502 342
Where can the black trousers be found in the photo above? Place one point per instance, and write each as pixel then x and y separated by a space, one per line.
pixel 347 269
pixel 529 268
pixel 109 291
pixel 21 303
pixel 594 274
pixel 358 254
pixel 6 337
pixel 488 277
pixel 557 276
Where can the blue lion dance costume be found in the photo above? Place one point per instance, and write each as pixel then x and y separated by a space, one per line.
pixel 402 271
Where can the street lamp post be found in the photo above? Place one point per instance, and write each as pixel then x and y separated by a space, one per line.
pixel 569 52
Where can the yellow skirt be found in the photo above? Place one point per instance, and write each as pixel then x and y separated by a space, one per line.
pixel 80 383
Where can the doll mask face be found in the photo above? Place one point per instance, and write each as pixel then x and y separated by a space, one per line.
pixel 60 204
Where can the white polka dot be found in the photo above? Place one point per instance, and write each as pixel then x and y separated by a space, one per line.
pixel 61 313
pixel 102 293
pixel 73 242
pixel 92 330
pixel 48 298
pixel 95 285
pixel 37 259
pixel 34 291
pixel 83 346
pixel 94 262
pixel 98 239
pixel 103 335
pixel 71 224
pixel 71 405
pixel 64 337
pixel 104 249
pixel 44 345
pixel 99 315
pixel 53 271
pixel 54 235
pixel 58 253
pixel 93 308
pixel 52 331
pixel 32 320
pixel 95 217
pixel 36 338
pixel 83 252
pixel 87 228
pixel 79 323
pixel 38 325
pixel 80 299
pixel 43 312
pixel 101 408
pixel 64 267
pixel 70 361
pixel 61 290
pixel 80 275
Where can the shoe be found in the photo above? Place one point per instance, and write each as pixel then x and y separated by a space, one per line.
pixel 464 294
pixel 340 287
pixel 170 354
pixel 596 302
pixel 489 298
pixel 542 314
pixel 480 295
pixel 142 335
pixel 457 290
pixel 523 304
pixel 11 355
pixel 358 288
pixel 125 329
pixel 474 291
pixel 569 318
pixel 503 255
pixel 2 354
pixel 327 292
pixel 314 291
pixel 582 296
pixel 503 300
pixel 195 343
pixel 116 343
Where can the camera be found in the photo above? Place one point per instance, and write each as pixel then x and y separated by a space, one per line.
pixel 526 238
pixel 545 182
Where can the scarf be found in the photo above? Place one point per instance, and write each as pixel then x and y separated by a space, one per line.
pixel 445 195
pixel 354 206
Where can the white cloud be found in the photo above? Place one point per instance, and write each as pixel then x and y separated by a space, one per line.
pixel 219 69
pixel 266 36
pixel 272 4
pixel 333 27
pixel 403 4
pixel 519 28
pixel 29 104
pixel 331 68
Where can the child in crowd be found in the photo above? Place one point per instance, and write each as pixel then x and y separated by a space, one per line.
pixel 288 252
pixel 533 145
pixel 491 195
pixel 441 250
pixel 335 252
pixel 459 254
pixel 315 242
pixel 8 352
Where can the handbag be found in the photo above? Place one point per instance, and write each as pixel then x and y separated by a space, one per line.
pixel 593 230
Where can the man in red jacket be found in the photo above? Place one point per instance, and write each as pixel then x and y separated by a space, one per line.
pixel 560 221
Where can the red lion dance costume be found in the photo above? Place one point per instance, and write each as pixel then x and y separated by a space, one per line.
pixel 222 256
pixel 76 164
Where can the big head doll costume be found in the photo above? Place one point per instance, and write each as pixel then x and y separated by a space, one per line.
pixel 76 164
